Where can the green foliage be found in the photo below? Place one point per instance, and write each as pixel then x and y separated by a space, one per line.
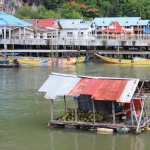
pixel 25 12
pixel 69 11
pixel 86 9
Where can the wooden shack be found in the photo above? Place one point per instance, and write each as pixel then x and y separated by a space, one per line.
pixel 100 102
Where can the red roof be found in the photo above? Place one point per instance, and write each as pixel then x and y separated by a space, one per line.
pixel 46 22
pixel 79 87
pixel 116 28
pixel 110 90
pixel 99 89
pixel 41 23
pixel 92 86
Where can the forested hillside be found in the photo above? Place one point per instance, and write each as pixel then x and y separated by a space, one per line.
pixel 86 9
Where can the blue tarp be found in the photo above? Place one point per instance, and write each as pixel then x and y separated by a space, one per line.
pixel 147 30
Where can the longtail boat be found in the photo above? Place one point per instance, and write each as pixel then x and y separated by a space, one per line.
pixel 6 64
pixel 134 60
pixel 68 61
pixel 61 61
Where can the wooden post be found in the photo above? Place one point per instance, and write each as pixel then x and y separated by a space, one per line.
pixel 113 111
pixel 76 110
pixel 131 112
pixel 19 32
pixel 93 109
pixel 137 129
pixel 24 32
pixel 134 112
pixel 145 113
pixel 51 103
pixel 10 32
pixel 65 102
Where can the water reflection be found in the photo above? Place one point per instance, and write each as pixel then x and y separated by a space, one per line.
pixel 90 140
pixel 24 112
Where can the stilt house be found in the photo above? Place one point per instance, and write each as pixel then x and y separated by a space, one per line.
pixel 97 99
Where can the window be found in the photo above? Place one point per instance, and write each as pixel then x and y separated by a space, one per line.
pixel 58 34
pixel 48 35
pixel 41 35
pixel 69 34
pixel 80 34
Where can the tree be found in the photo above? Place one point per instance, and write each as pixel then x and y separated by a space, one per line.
pixel 69 11
pixel 25 12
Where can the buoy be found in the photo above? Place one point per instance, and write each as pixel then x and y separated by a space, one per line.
pixel 104 130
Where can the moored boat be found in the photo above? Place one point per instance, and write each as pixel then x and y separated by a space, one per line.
pixel 6 64
pixel 67 61
pixel 61 61
pixel 31 60
pixel 10 66
pixel 81 59
pixel 135 60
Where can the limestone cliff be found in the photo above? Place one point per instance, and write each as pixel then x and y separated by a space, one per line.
pixel 11 6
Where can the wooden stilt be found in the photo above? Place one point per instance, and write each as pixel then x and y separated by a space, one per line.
pixel 113 111
pixel 137 129
pixel 65 102
pixel 145 117
pixel 51 108
pixel 76 101
pixel 134 112
pixel 93 109
pixel 131 111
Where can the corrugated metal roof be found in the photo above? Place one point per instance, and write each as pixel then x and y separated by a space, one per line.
pixel 9 20
pixel 117 89
pixel 110 90
pixel 38 23
pixel 92 86
pixel 143 22
pixel 123 21
pixel 79 87
pixel 57 85
pixel 128 91
pixel 74 24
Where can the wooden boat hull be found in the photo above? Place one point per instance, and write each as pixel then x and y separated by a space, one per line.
pixel 70 61
pixel 29 60
pixel 81 59
pixel 124 61
pixel 9 66
pixel 34 60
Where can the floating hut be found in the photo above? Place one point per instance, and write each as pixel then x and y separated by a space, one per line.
pixel 100 103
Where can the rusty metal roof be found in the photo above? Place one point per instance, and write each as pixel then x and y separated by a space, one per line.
pixel 120 90
pixel 92 86
pixel 77 89
pixel 110 90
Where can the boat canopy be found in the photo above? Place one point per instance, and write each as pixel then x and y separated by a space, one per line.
pixel 99 88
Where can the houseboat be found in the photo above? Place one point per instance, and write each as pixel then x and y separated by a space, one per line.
pixel 100 103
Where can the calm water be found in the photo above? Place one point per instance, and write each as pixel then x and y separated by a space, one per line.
pixel 24 111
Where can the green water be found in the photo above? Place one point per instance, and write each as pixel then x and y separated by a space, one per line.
pixel 24 111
